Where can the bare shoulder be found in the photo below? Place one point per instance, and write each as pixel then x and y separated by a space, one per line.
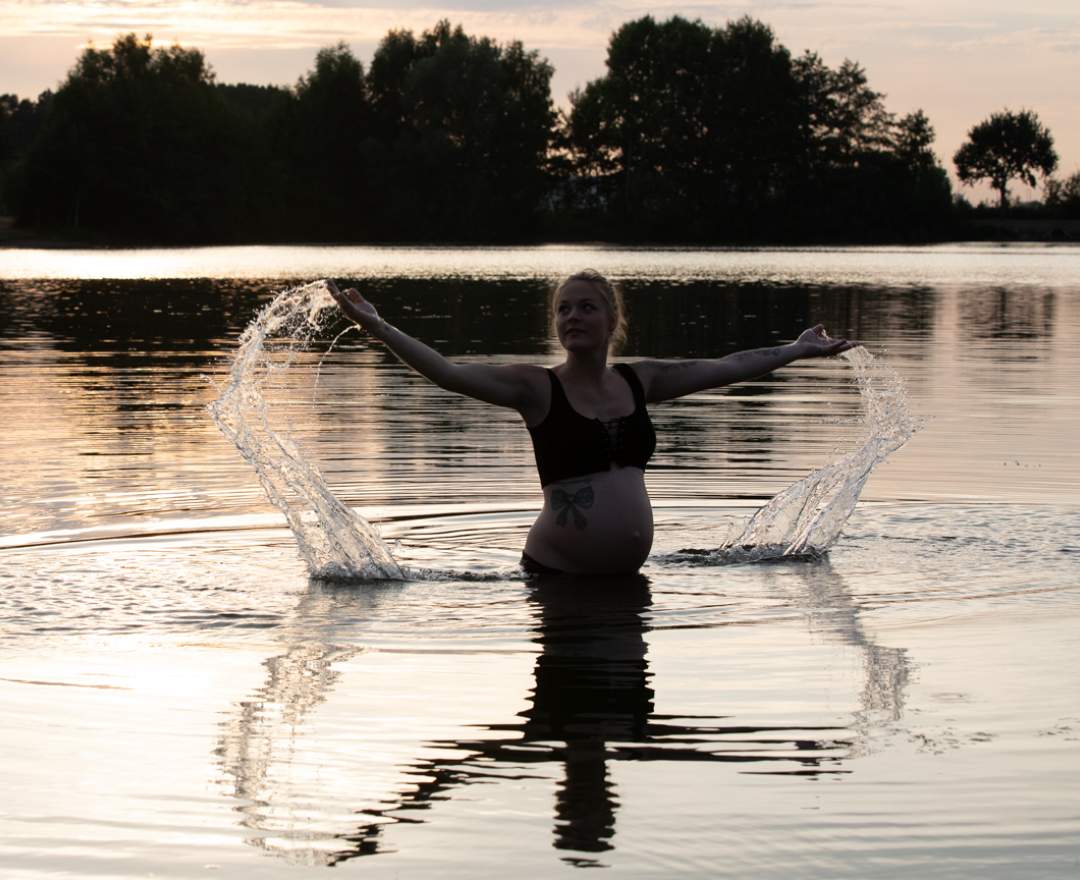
pixel 531 374
pixel 536 387
pixel 516 386
pixel 532 379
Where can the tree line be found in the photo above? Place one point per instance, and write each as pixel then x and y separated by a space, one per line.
pixel 693 134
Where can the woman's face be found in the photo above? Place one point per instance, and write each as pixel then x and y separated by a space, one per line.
pixel 583 320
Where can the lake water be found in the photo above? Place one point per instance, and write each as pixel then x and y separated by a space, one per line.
pixel 180 699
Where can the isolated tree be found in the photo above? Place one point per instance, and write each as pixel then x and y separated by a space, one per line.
pixel 1006 146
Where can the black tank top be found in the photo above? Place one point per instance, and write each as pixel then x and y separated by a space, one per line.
pixel 567 444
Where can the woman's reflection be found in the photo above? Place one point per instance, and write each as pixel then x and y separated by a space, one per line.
pixel 591 706
pixel 592 689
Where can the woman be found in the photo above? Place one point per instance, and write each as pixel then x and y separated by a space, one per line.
pixel 590 430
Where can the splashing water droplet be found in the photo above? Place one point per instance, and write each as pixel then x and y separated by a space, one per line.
pixel 806 517
pixel 334 541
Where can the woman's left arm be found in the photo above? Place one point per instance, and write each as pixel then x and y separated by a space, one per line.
pixel 665 380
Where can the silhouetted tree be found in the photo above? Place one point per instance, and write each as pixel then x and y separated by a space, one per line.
pixel 923 204
pixel 689 123
pixel 463 127
pixel 19 120
pixel 1063 196
pixel 756 131
pixel 716 133
pixel 330 131
pixel 914 136
pixel 262 201
pixel 693 133
pixel 845 118
pixel 643 122
pixel 135 141
pixel 869 177
pixel 1006 146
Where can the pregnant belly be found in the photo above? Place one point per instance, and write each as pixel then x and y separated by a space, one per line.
pixel 601 523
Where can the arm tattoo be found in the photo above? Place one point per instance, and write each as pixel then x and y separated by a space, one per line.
pixel 570 504
pixel 756 352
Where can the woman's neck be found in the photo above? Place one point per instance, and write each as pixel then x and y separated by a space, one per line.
pixel 587 366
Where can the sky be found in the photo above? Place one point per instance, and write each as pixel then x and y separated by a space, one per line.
pixel 958 60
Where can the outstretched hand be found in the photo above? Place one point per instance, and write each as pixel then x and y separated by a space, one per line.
pixel 355 307
pixel 815 342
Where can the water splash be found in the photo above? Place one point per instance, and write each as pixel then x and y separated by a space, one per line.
pixel 806 518
pixel 803 520
pixel 334 541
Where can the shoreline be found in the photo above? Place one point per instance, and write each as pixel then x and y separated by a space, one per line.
pixel 975 230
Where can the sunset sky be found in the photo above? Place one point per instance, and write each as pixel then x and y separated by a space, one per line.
pixel 959 60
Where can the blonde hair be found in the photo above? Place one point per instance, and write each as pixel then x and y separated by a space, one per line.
pixel 612 296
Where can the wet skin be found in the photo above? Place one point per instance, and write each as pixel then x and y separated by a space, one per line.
pixel 597 523
pixel 600 522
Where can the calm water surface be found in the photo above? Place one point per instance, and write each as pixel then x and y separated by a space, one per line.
pixel 179 699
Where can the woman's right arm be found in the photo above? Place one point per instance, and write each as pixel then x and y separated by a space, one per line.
pixel 516 386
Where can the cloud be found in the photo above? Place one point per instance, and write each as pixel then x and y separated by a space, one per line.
pixel 292 23
pixel 450 6
pixel 815 24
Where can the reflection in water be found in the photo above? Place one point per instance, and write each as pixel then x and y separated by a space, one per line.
pixel 107 378
pixel 825 599
pixel 333 753
pixel 1002 313
pixel 263 735
pixel 263 744
pixel 591 693
pixel 590 706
